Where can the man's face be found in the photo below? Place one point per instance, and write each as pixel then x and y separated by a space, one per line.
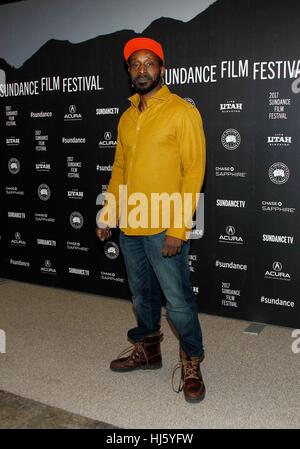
pixel 145 71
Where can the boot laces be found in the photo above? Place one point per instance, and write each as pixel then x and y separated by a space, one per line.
pixel 189 370
pixel 135 351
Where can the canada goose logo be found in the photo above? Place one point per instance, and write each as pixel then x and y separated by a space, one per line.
pixel 190 100
pixel 279 173
pixel 76 220
pixel 231 139
pixel 14 166
pixel 111 250
pixel 44 192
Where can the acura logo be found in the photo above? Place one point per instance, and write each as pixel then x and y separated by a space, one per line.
pixel 107 135
pixel 230 230
pixel 277 266
pixel 72 109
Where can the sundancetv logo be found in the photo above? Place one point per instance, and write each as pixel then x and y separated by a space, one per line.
pixel 79 271
pixel 231 203
pixel 284 239
pixel 16 215
pixel 107 111
pixel 46 242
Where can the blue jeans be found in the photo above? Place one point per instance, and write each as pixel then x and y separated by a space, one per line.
pixel 147 271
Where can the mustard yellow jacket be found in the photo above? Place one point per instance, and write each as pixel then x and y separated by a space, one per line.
pixel 160 151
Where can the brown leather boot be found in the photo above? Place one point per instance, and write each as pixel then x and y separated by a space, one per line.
pixel 191 381
pixel 145 354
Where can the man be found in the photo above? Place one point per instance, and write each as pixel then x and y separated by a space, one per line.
pixel 160 151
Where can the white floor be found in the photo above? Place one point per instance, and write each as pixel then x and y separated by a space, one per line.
pixel 59 345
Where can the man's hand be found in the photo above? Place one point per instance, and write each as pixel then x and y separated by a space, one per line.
pixel 172 246
pixel 103 233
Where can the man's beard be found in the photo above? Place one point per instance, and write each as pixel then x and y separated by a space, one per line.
pixel 143 88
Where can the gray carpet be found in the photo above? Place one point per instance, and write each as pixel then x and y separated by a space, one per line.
pixel 60 343
pixel 17 412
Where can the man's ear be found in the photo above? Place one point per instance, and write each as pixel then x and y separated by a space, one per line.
pixel 162 71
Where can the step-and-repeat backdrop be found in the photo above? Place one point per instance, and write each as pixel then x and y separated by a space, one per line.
pixel 239 64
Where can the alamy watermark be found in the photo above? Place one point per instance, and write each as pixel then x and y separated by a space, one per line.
pixel 296 82
pixel 2 342
pixel 296 332
pixel 296 343
pixel 159 210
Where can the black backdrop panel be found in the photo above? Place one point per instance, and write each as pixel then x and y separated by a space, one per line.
pixel 235 61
